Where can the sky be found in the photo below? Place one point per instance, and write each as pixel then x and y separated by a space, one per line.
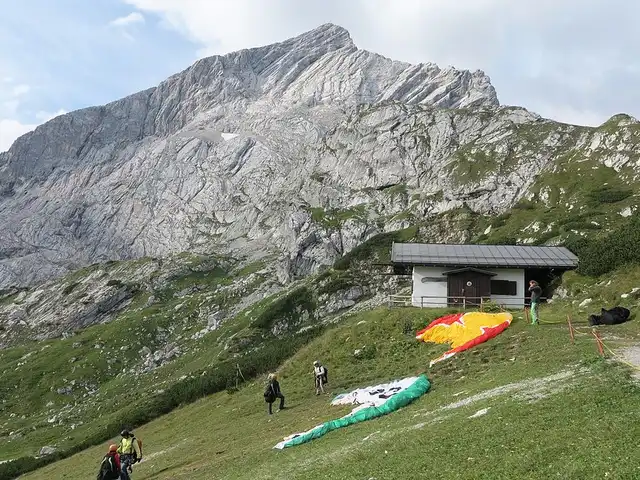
pixel 576 61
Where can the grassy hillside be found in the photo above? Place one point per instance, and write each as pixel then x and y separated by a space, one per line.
pixel 158 352
pixel 544 408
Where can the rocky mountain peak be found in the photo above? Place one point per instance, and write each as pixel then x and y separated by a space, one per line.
pixel 220 156
pixel 327 34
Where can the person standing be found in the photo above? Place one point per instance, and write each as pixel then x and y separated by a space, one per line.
pixel 272 392
pixel 536 293
pixel 319 372
pixel 110 466
pixel 130 453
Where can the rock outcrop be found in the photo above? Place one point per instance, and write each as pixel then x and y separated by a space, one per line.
pixel 303 149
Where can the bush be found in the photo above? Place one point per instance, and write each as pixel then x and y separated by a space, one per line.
pixel 288 308
pixel 600 255
pixel 338 282
pixel 70 288
pixel 525 205
pixel 378 246
pixel 504 241
pixel 491 307
pixel 607 194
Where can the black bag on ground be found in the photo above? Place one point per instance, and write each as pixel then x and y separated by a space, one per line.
pixel 614 316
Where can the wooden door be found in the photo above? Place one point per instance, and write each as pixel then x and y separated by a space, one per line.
pixel 470 286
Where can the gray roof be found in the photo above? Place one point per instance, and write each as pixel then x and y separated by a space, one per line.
pixel 514 256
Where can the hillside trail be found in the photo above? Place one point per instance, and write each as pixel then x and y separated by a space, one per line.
pixel 631 356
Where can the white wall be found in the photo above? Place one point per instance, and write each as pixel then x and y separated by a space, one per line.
pixel 513 275
pixel 429 288
pixel 438 290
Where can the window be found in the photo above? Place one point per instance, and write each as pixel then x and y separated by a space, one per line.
pixel 433 279
pixel 504 287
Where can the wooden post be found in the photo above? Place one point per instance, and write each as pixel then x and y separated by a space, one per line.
pixel 598 342
pixel 570 329
pixel 482 304
pixel 421 302
pixel 464 304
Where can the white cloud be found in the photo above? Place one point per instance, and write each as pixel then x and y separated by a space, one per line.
pixel 573 116
pixel 46 116
pixel 19 90
pixel 131 19
pixel 10 130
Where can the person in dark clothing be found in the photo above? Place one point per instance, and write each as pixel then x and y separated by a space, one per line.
pixel 536 293
pixel 110 466
pixel 272 392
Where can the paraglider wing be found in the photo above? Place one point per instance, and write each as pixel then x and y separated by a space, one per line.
pixel 371 402
pixel 464 330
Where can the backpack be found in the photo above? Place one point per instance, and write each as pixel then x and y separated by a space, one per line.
pixel 269 395
pixel 108 469
pixel 135 454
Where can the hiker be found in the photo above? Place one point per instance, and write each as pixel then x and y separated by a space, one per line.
pixel 320 374
pixel 536 293
pixel 110 466
pixel 272 392
pixel 130 452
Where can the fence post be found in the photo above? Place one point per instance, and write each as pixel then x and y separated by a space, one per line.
pixel 482 304
pixel 598 342
pixel 421 302
pixel 570 328
pixel 464 304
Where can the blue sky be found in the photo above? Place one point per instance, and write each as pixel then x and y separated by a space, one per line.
pixel 572 60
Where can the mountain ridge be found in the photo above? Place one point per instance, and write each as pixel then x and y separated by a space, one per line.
pixel 302 149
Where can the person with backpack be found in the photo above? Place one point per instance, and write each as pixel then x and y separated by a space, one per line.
pixel 320 374
pixel 130 451
pixel 272 392
pixel 110 466
pixel 536 293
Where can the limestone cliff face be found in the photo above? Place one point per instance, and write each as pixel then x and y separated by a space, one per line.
pixel 257 151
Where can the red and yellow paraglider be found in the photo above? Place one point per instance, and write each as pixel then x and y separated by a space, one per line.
pixel 464 330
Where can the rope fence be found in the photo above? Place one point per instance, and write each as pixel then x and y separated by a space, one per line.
pixel 600 345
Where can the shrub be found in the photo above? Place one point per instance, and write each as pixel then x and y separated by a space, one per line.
pixel 338 282
pixel 288 308
pixel 607 194
pixel 70 288
pixel 525 205
pixel 378 246
pixel 600 255
pixel 506 240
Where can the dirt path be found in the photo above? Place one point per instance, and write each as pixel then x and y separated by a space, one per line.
pixel 632 355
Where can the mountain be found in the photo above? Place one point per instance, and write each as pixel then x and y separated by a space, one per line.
pixel 300 150
pixel 219 156
pixel 202 211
